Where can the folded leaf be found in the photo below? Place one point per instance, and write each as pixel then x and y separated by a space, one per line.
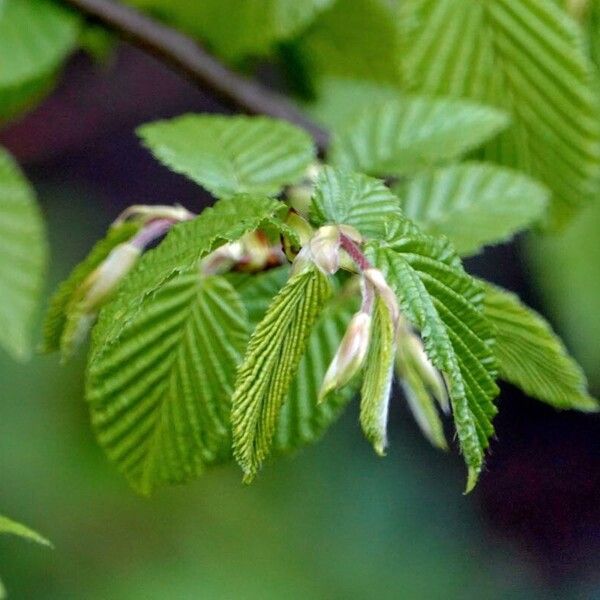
pixel 349 198
pixel 22 257
pixel 377 381
pixel 527 57
pixel 270 364
pixel 231 155
pixel 160 391
pixel 473 204
pixel 395 137
pixel 531 356
pixel 61 303
pixel 36 36
pixel 445 305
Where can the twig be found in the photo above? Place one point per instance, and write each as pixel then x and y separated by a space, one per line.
pixel 203 69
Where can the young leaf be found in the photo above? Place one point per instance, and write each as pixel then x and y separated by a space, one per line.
pixel 377 381
pixel 231 155
pixel 445 305
pixel 61 304
pixel 35 38
pixel 10 527
pixel 272 358
pixel 531 356
pixel 356 39
pixel 182 248
pixel 352 199
pixel 236 29
pixel 396 137
pixel 22 257
pixel 302 420
pixel 473 204
pixel 159 391
pixel 526 57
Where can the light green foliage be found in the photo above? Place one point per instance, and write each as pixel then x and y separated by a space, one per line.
pixel 302 420
pixel 231 155
pixel 22 257
pixel 527 57
pixel 186 243
pixel 236 29
pixel 349 198
pixel 272 358
pixel 159 391
pixel 531 356
pixel 10 527
pixel 35 38
pixel 357 39
pixel 473 204
pixel 445 305
pixel 63 304
pixel 396 137
pixel 377 381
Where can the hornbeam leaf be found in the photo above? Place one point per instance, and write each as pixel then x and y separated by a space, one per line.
pixel 395 137
pixel 272 358
pixel 377 381
pixel 22 257
pixel 302 420
pixel 445 305
pixel 527 57
pixel 473 204
pixel 352 199
pixel 10 527
pixel 531 356
pixel 36 36
pixel 183 247
pixel 160 391
pixel 58 313
pixel 231 155
pixel 236 29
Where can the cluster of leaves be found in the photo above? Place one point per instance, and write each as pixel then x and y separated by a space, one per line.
pixel 456 124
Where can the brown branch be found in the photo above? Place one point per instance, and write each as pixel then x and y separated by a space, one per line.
pixel 196 64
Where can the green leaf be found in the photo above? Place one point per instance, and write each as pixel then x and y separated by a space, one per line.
pixel 231 155
pixel 302 420
pixel 395 137
pixel 36 36
pixel 236 29
pixel 339 99
pixel 22 257
pixel 10 527
pixel 445 305
pixel 377 381
pixel 182 249
pixel 349 198
pixel 272 358
pixel 473 204
pixel 160 391
pixel 63 302
pixel 356 39
pixel 528 58
pixel 531 356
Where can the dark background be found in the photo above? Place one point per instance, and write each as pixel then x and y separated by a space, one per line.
pixel 333 522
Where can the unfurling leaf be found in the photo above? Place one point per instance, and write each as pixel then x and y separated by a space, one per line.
pixel 473 204
pixel 232 155
pixel 159 391
pixel 377 382
pixel 531 356
pixel 61 318
pixel 271 362
pixel 445 305
pixel 395 137
pixel 22 257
